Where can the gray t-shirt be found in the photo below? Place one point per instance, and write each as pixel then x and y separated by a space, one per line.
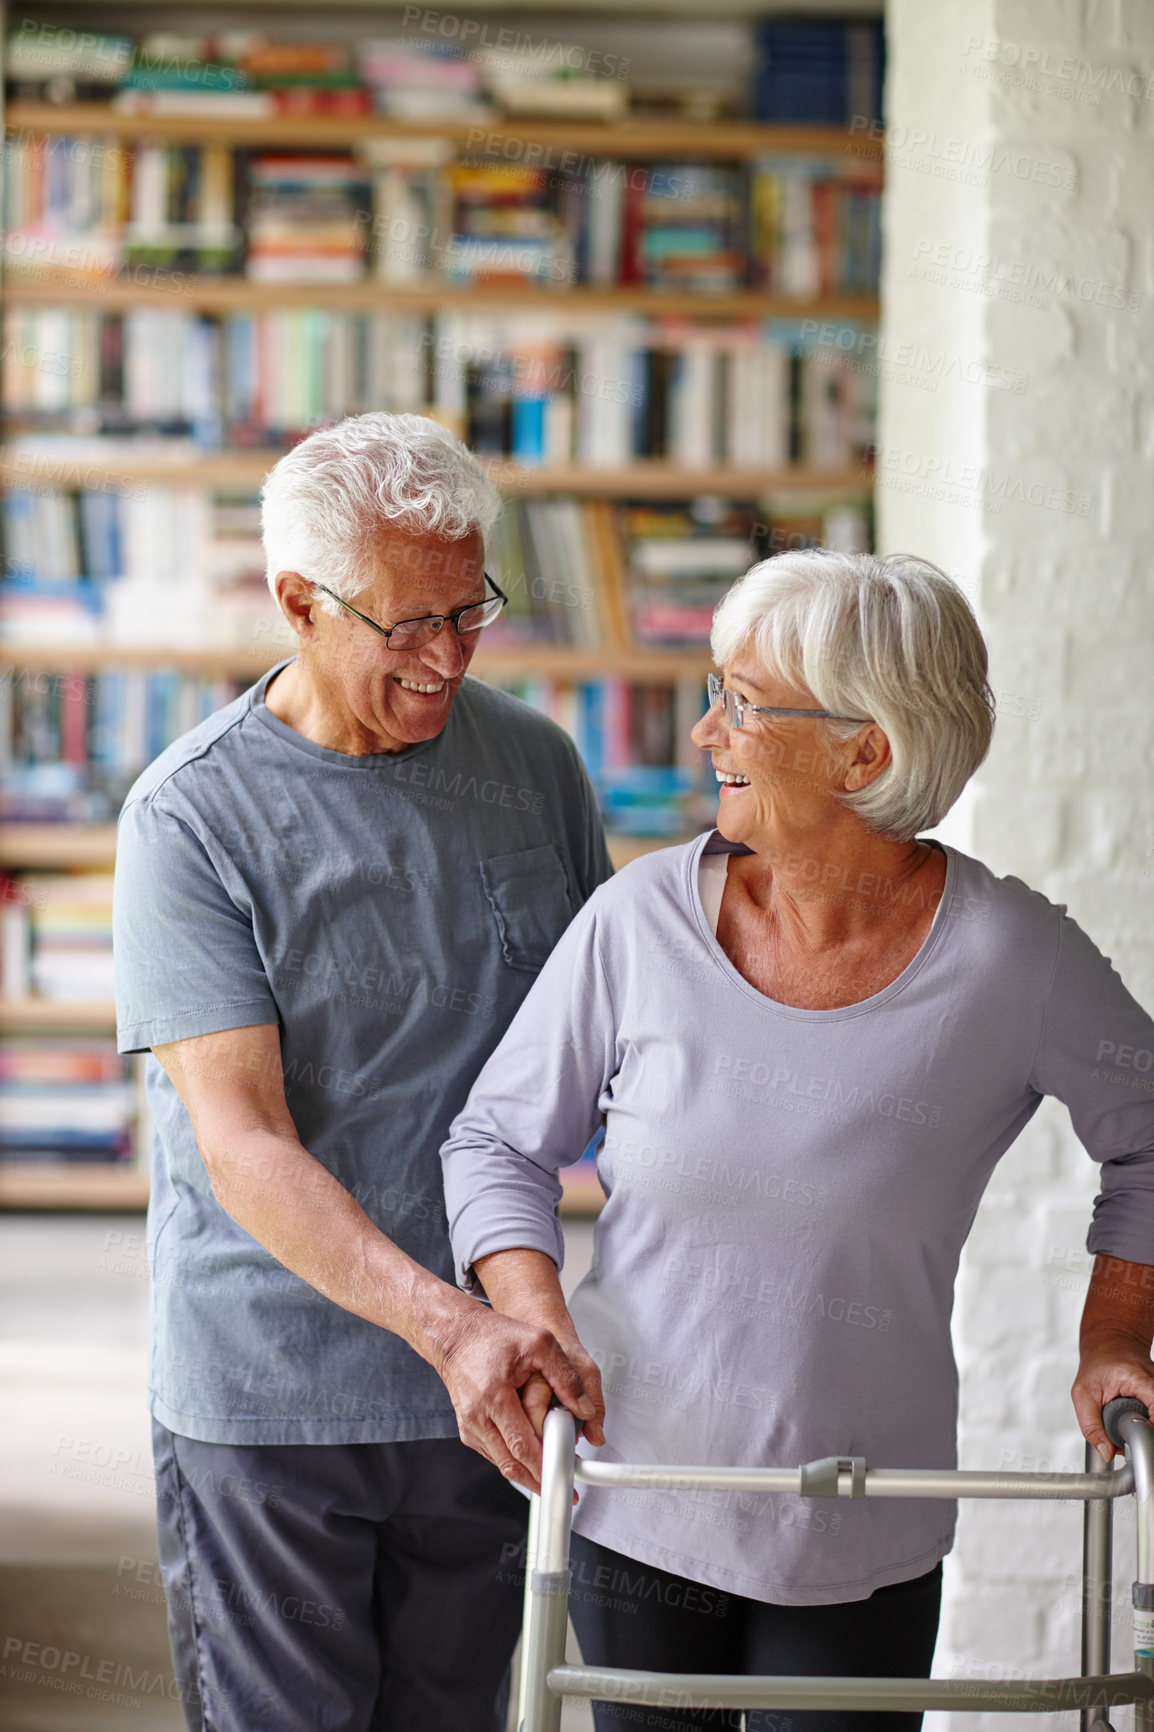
pixel 788 1192
pixel 390 913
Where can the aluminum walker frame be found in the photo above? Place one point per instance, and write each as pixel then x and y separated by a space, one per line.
pixel 545 1678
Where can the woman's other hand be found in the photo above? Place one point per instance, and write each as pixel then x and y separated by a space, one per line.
pixel 524 1284
pixel 1117 1329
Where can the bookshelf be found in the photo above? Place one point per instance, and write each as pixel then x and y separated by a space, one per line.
pixel 644 479
pixel 35 463
pixel 641 138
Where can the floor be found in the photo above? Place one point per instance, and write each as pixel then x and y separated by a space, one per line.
pixel 83 1646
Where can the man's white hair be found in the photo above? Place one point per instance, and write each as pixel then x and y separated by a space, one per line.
pixel 326 502
pixel 893 641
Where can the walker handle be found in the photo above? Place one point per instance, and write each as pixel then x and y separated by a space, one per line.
pixel 1118 1409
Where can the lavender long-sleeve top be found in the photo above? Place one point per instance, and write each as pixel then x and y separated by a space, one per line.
pixel 788 1192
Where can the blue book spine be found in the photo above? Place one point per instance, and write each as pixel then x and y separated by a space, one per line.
pixel 591 725
pixel 529 429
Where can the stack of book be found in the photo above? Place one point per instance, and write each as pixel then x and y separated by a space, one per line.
pixel 423 82
pixel 818 71
pixel 306 78
pixel 682 228
pixel 58 938
pixel 508 226
pixel 680 559
pixel 555 79
pixel 307 219
pixel 65 1100
pixel 46 64
pixel 680 562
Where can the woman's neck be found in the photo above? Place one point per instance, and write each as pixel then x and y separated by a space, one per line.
pixel 829 891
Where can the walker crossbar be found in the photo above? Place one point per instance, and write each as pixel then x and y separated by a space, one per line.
pixel 720 1690
pixel 546 1679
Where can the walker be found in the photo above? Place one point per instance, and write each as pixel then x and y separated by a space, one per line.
pixel 545 1678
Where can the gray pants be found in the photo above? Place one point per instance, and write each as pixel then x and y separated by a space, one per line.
pixel 338 1588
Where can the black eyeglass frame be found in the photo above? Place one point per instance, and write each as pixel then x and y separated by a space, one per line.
pixel 441 619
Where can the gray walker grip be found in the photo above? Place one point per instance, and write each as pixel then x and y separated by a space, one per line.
pixel 1118 1409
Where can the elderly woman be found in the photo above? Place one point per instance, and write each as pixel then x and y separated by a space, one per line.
pixel 809 1036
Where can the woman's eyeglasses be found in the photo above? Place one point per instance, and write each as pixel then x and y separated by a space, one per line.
pixel 736 709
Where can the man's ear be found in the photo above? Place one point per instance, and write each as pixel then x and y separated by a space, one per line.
pixel 295 598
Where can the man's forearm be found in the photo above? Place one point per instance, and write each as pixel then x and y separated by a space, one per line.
pixel 296 1209
pixel 1119 1303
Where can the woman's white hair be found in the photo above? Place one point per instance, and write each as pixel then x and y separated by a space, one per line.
pixel 893 641
pixel 325 504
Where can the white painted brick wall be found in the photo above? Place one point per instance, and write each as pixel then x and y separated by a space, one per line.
pixel 1006 177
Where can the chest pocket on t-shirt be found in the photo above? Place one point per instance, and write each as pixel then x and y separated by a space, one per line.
pixel 529 895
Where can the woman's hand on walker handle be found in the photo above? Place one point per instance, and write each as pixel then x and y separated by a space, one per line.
pixel 1117 1329
pixel 486 1363
pixel 524 1283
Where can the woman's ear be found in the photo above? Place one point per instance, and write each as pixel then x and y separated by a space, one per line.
pixel 869 755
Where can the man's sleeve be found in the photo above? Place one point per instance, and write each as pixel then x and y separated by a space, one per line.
pixel 185 957
pixel 534 1107
pixel 1096 1053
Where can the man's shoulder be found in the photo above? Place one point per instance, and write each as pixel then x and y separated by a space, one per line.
pixel 503 719
pixel 191 748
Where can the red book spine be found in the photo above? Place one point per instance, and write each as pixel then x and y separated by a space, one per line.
pixel 633 223
pixel 74 719
pixel 823 229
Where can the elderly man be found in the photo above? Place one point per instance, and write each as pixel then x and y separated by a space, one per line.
pixel 332 896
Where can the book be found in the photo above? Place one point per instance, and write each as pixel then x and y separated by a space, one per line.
pixel 817 71
pixel 65 1099
pixel 83 208
pixel 306 218
pixel 544 387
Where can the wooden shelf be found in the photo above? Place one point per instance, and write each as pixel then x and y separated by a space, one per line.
pixel 639 138
pixel 581 1193
pixel 187 293
pixel 49 1016
pixel 110 1186
pixel 83 1185
pixel 642 667
pixel 648 478
pixel 642 479
pixel 52 845
pixel 623 849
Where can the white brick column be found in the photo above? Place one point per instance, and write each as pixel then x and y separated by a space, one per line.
pixel 1015 449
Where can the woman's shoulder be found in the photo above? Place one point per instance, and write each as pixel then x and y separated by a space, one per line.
pixel 653 877
pixel 1005 905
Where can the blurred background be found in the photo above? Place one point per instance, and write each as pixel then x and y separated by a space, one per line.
pixel 698 289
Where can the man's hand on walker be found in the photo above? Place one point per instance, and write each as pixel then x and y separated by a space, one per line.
pixel 487 1362
pixel 1117 1328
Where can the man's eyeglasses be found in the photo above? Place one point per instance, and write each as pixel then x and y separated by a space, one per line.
pixel 736 709
pixel 410 634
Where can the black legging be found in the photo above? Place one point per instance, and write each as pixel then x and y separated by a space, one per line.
pixel 631 1614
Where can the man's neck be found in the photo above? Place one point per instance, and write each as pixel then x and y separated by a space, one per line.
pixel 295 698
